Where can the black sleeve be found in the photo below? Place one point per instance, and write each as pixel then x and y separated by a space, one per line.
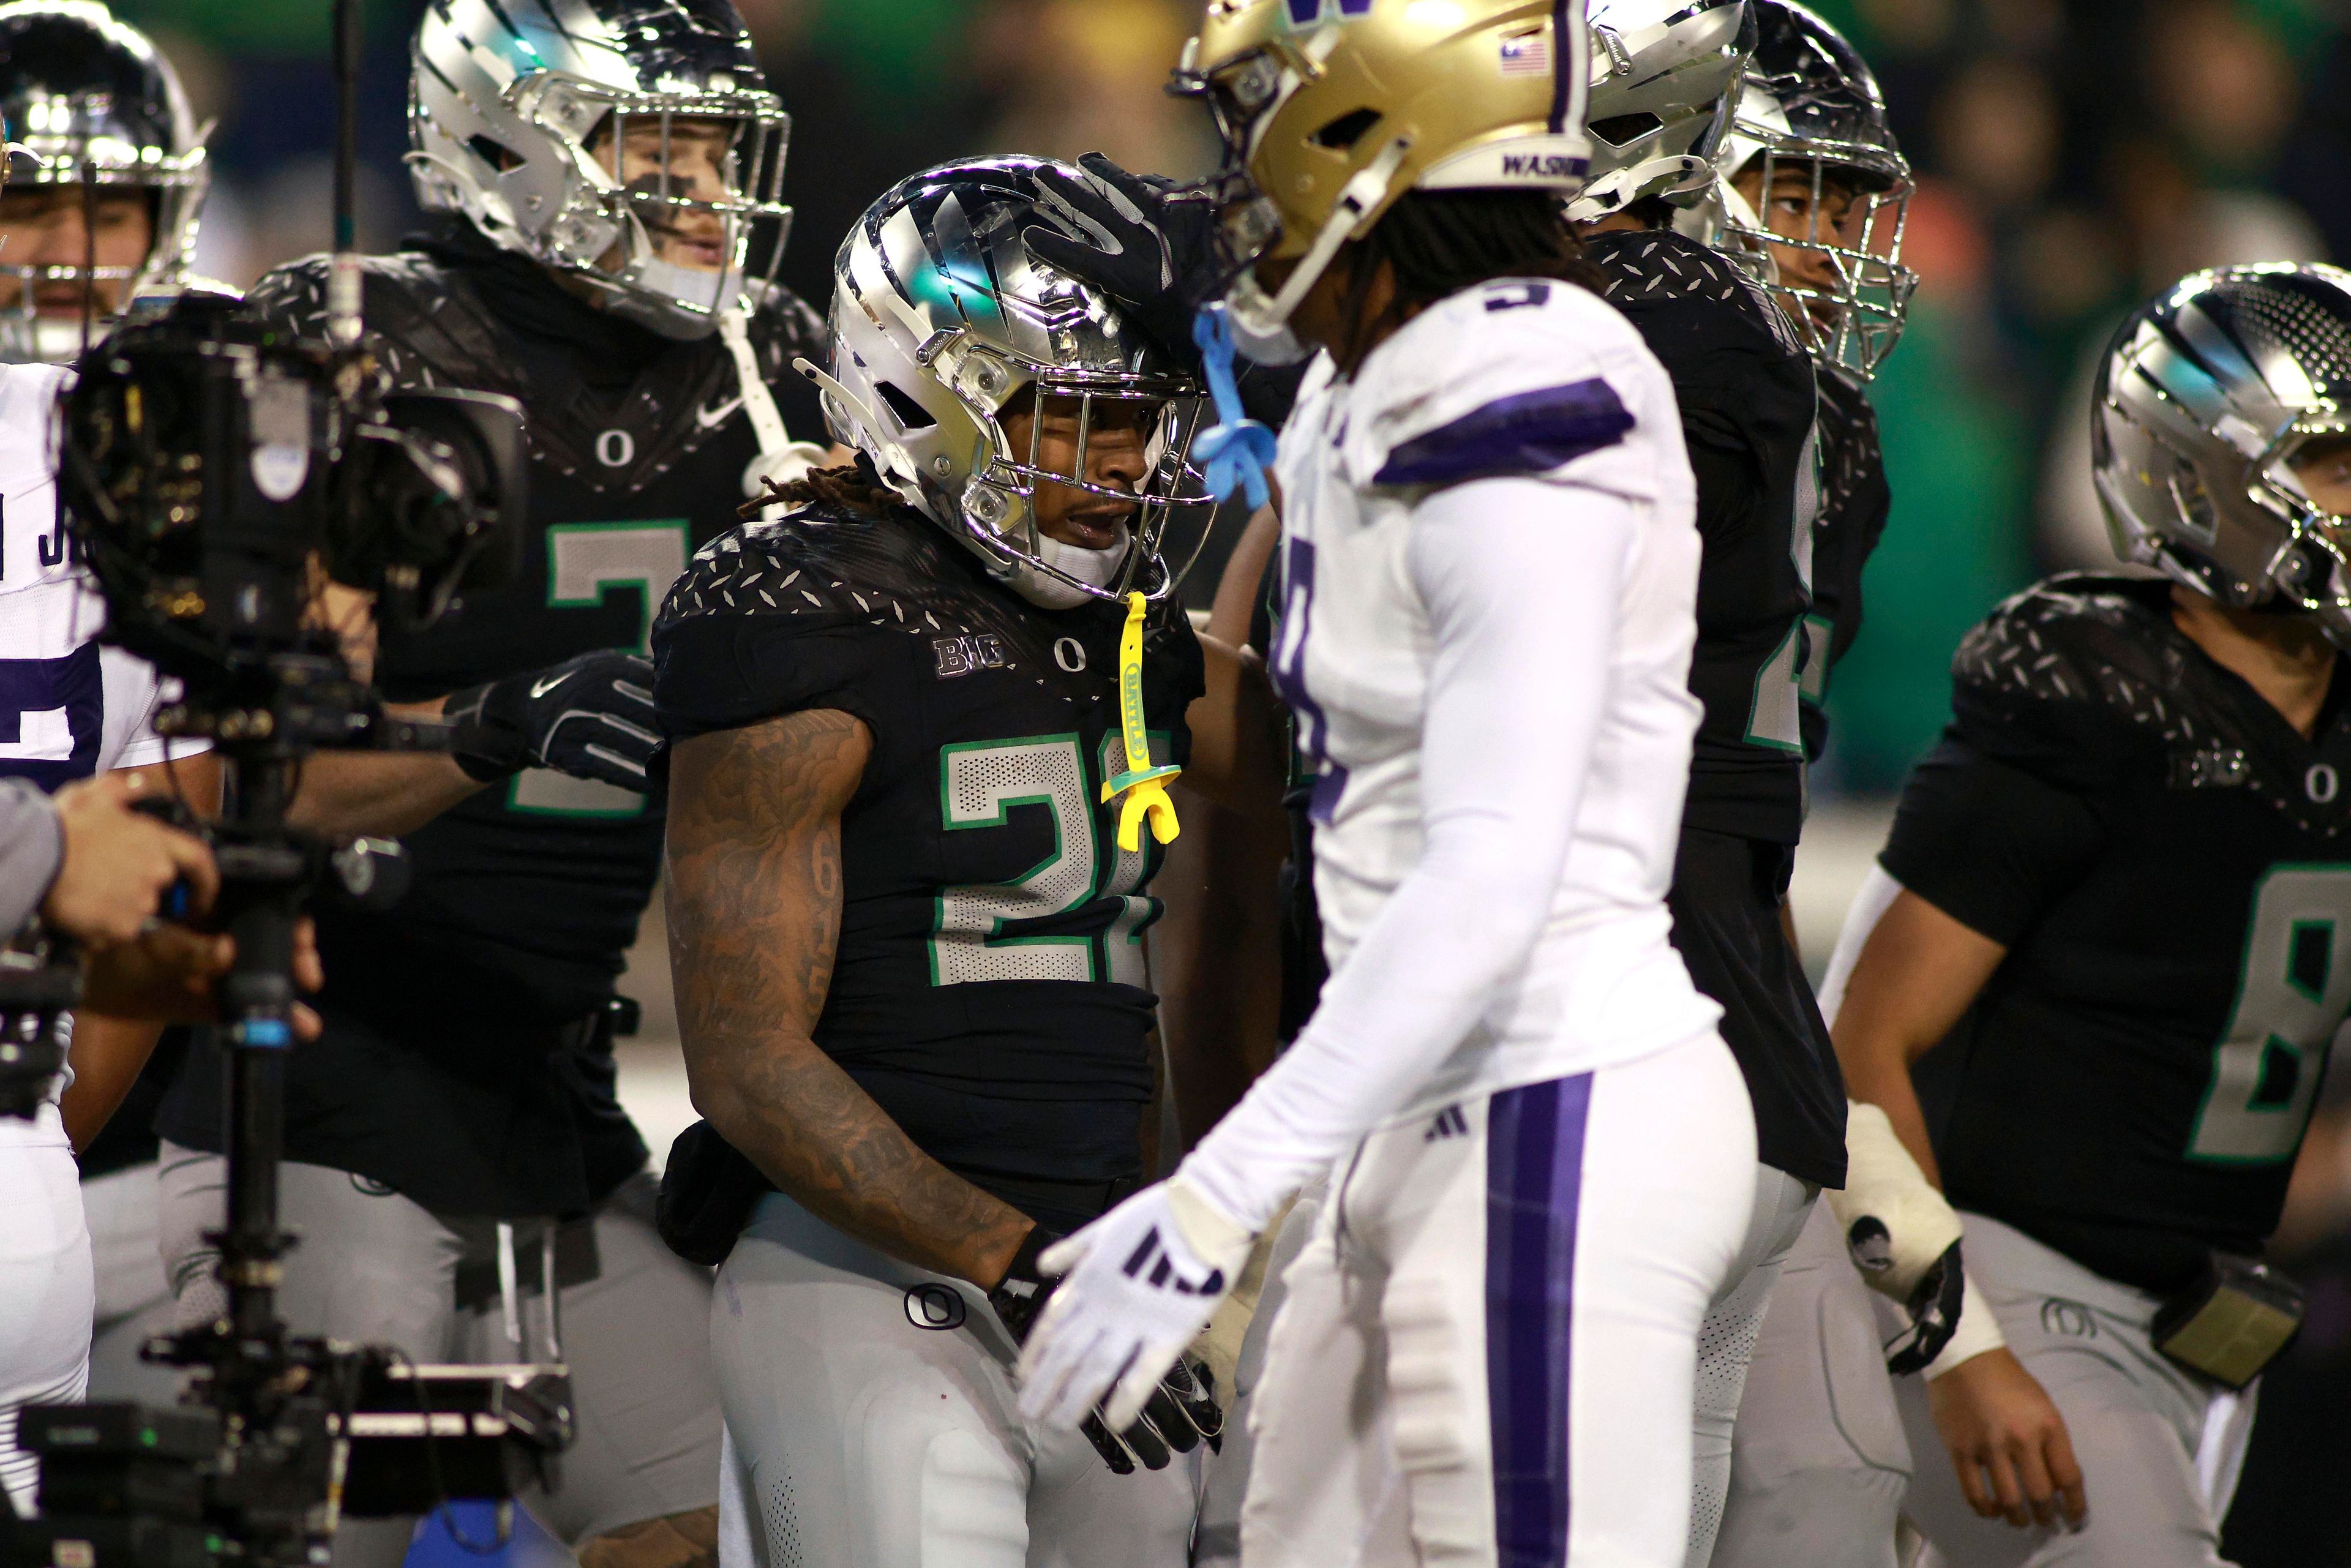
pixel 1988 843
pixel 723 672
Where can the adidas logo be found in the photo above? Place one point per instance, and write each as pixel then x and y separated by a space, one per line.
pixel 1449 1123
pixel 1153 1255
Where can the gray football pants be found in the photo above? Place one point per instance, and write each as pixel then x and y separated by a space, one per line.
pixel 872 1412
pixel 376 1268
pixel 1825 1454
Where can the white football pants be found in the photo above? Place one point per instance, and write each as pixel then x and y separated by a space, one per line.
pixel 46 1290
pixel 1487 1353
pixel 871 1415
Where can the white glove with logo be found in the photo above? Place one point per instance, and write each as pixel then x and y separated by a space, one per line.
pixel 1137 1287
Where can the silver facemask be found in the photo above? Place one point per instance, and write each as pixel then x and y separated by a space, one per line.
pixel 516 106
pixel 943 321
pixel 97 109
pixel 2202 403
pixel 1812 140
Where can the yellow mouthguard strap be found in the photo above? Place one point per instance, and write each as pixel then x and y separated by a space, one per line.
pixel 1146 787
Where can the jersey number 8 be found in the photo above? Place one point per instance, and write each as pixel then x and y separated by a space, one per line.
pixel 2292 995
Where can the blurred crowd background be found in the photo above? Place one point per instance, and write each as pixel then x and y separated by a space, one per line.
pixel 2073 157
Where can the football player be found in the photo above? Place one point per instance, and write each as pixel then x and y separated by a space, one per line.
pixel 1746 390
pixel 104 212
pixel 2134 1042
pixel 611 170
pixel 905 922
pixel 1543 1155
pixel 1812 193
pixel 1810 197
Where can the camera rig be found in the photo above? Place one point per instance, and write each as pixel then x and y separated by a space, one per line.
pixel 217 476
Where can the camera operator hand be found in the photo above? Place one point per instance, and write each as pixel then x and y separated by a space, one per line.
pixel 167 973
pixel 117 865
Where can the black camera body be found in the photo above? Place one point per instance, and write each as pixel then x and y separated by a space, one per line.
pixel 218 473
pixel 218 476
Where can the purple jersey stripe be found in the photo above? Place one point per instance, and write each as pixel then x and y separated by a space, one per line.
pixel 1526 433
pixel 1534 1178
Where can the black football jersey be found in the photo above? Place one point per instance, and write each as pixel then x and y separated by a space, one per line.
pixel 1745 387
pixel 1853 501
pixel 988 989
pixel 2169 864
pixel 527 896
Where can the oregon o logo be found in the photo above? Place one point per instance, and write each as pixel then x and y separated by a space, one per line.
pixel 933 1306
pixel 616 449
pixel 2320 783
pixel 1071 654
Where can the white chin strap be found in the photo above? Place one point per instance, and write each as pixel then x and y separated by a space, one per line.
pixel 1267 320
pixel 1620 188
pixel 1042 588
pixel 781 457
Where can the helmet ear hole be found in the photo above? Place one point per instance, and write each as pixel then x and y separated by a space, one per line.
pixel 910 414
pixel 494 153
pixel 1347 129
pixel 1622 129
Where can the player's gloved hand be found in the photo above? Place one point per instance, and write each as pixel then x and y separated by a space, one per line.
pixel 1137 1287
pixel 1148 245
pixel 591 717
pixel 1181 1412
pixel 1903 1235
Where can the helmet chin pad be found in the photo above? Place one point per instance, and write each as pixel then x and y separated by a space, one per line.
pixel 1098 567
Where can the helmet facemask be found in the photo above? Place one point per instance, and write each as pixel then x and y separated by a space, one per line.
pixel 1077 422
pixel 106 142
pixel 606 139
pixel 2209 398
pixel 654 172
pixel 1826 241
pixel 986 387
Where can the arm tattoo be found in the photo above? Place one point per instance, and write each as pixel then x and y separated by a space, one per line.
pixel 754 901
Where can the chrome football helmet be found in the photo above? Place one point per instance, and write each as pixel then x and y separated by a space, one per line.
pixel 1665 74
pixel 1810 130
pixel 94 104
pixel 514 104
pixel 942 317
pixel 2202 402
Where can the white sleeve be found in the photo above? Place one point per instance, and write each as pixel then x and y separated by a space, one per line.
pixel 1517 687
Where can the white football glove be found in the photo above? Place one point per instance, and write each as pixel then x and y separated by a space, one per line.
pixel 1137 1286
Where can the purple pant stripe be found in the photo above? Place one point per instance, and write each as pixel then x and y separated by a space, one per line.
pixel 1534 1178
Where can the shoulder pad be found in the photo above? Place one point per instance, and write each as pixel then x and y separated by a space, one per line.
pixel 1519 377
pixel 423 330
pixel 1659 268
pixel 2075 678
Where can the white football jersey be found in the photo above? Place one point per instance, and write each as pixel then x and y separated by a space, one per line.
pixel 1530 379
pixel 68 708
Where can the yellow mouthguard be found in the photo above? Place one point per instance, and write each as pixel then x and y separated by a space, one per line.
pixel 1146 787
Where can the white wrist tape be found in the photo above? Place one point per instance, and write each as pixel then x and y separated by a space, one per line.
pixel 1978 1332
pixel 1884 1184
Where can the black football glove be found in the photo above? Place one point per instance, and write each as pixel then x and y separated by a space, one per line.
pixel 591 717
pixel 1141 239
pixel 1934 1307
pixel 1180 1415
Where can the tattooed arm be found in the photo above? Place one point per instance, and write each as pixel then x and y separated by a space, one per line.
pixel 753 914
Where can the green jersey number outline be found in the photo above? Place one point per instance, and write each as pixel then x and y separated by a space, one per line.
pixel 2294 989
pixel 980 783
pixel 584 561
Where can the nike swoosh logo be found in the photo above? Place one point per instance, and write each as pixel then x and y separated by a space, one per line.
pixel 539 688
pixel 712 418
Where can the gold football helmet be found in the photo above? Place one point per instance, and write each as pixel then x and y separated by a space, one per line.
pixel 1330 110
